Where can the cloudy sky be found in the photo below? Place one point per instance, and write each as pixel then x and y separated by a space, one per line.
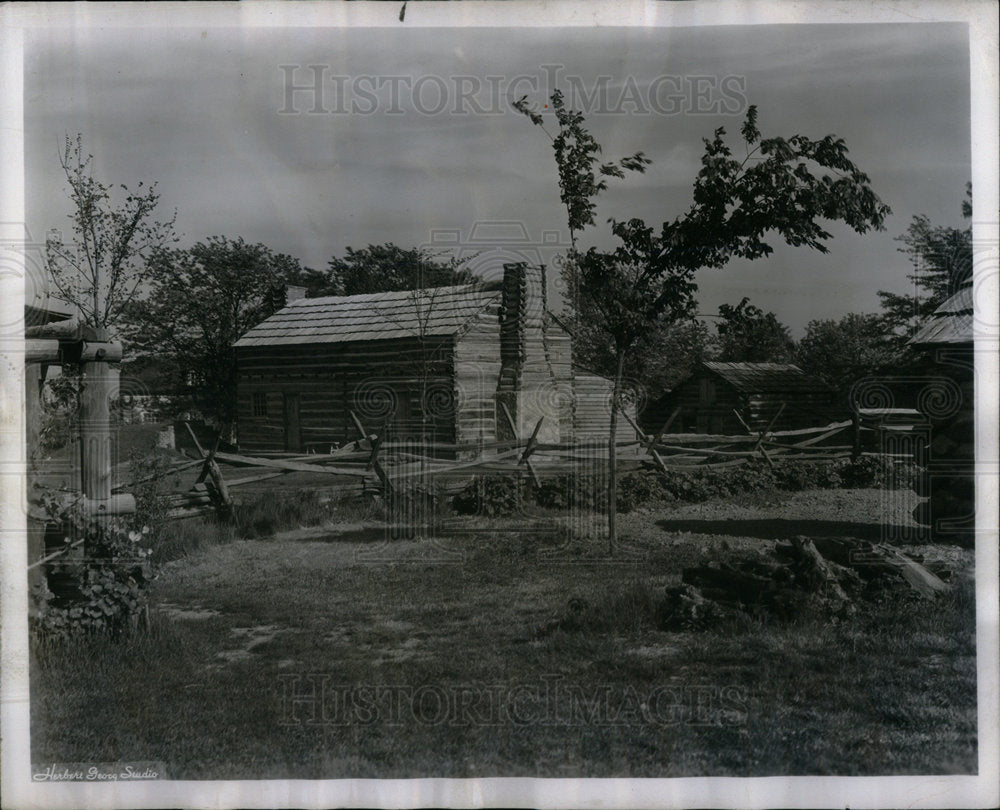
pixel 411 139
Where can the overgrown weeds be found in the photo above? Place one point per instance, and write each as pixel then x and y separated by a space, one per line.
pixel 267 514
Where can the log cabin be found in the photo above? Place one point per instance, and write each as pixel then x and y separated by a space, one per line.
pixel 709 398
pixel 946 399
pixel 442 365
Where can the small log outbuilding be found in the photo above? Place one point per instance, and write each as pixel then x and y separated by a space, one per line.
pixel 946 400
pixel 443 365
pixel 709 398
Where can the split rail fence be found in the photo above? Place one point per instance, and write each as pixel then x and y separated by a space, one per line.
pixel 371 463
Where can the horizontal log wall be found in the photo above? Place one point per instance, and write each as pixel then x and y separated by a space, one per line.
pixel 477 368
pixel 802 409
pixel 593 410
pixel 410 381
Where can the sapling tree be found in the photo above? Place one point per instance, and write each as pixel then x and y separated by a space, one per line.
pixel 781 188
pixel 101 268
pixel 581 174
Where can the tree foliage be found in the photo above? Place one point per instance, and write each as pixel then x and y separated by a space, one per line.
pixel 662 357
pixel 942 261
pixel 317 283
pixel 747 334
pixel 781 187
pixel 581 179
pixel 388 267
pixel 581 175
pixel 202 299
pixel 101 267
pixel 842 352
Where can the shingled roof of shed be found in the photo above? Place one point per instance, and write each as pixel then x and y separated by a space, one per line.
pixel 951 322
pixel 438 311
pixel 767 378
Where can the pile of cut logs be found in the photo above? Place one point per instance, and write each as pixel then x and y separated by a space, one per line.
pixel 828 574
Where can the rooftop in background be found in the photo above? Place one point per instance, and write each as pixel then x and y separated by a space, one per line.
pixel 49 310
pixel 761 378
pixel 951 322
pixel 437 311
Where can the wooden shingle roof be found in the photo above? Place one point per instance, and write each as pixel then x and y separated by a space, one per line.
pixel 951 323
pixel 438 311
pixel 767 378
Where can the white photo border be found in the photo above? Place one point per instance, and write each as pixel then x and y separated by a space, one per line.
pixel 19 791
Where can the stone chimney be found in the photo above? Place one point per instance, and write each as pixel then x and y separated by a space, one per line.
pixel 520 317
pixel 293 293
pixel 513 320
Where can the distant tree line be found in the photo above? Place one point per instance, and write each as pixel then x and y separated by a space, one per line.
pixel 179 310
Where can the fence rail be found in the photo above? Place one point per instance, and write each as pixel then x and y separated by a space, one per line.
pixel 373 463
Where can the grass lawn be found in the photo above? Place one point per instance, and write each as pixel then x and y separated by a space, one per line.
pixel 424 659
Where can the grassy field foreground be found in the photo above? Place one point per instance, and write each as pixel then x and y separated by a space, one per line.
pixel 330 653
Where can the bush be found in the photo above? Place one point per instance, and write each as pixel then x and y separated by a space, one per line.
pixel 876 472
pixel 147 472
pixel 572 491
pixel 799 475
pixel 636 488
pixel 495 496
pixel 58 414
pixel 490 496
pixel 104 592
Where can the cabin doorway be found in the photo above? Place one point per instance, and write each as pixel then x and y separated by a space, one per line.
pixel 293 432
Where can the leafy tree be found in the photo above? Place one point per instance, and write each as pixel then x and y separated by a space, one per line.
pixel 577 159
pixel 747 334
pixel 942 262
pixel 202 299
pixel 842 352
pixel 661 358
pixel 737 205
pixel 103 265
pixel 317 283
pixel 670 353
pixel 387 268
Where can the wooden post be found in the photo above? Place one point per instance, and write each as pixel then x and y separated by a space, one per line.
pixel 529 449
pixel 666 426
pixel 513 427
pixel 373 461
pixel 759 446
pixel 856 425
pixel 197 444
pixel 95 427
pixel 214 474
pixel 33 379
pixel 650 444
pixel 225 502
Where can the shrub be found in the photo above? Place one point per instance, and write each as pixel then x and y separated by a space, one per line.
pixel 58 413
pixel 876 471
pixel 637 488
pixel 147 472
pixel 799 475
pixel 102 592
pixel 490 496
pixel 577 491
pixel 495 495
